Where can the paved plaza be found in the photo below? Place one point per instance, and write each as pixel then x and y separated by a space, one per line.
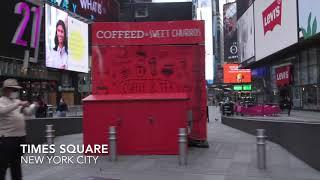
pixel 231 156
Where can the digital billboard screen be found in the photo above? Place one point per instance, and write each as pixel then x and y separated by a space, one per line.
pixel 246 35
pixel 230 32
pixel 78 45
pixel 95 10
pixel 66 41
pixel 232 74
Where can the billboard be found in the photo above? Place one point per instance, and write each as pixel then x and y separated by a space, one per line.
pixel 230 32
pixel 204 12
pixel 242 6
pixel 95 10
pixel 66 41
pixel 275 26
pixel 21 30
pixel 309 18
pixel 78 58
pixel 232 74
pixel 246 35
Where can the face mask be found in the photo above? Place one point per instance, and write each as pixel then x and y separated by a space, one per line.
pixel 14 95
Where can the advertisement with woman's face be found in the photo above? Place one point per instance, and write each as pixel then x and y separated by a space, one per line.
pixel 66 41
pixel 56 38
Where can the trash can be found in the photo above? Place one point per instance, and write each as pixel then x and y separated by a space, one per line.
pixel 227 109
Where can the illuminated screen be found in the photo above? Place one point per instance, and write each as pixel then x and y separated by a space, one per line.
pixel 66 41
pixel 237 88
pixel 78 45
pixel 232 74
pixel 247 87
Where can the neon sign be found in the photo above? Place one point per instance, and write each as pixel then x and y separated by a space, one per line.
pixel 97 10
pixel 24 9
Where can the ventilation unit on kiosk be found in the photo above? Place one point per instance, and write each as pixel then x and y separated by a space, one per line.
pixel 148 80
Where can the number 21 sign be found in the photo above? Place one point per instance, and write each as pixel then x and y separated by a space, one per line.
pixel 26 10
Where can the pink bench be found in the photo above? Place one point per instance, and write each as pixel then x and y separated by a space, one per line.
pixel 258 110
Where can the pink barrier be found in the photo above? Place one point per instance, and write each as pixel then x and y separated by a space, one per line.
pixel 258 110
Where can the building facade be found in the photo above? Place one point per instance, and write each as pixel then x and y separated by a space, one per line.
pixel 23 48
pixel 144 11
pixel 285 59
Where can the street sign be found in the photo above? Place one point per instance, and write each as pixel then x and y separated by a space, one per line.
pixel 237 87
pixel 246 87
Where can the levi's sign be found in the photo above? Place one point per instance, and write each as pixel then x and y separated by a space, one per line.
pixel 173 32
pixel 283 75
pixel 272 16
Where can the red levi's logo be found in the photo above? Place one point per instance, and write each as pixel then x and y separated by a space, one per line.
pixel 283 75
pixel 272 16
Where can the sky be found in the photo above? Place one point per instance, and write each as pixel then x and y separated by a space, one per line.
pixel 221 2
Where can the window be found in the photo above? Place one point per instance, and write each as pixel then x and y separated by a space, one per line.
pixel 312 57
pixel 313 74
pixel 141 11
pixel 311 95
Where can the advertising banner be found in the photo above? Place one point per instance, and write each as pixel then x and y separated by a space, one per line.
pixel 148 33
pixel 230 32
pixel 283 75
pixel 56 38
pixel 95 10
pixel 21 28
pixel 242 6
pixel 246 35
pixel 259 72
pixel 232 74
pixel 309 18
pixel 78 45
pixel 275 26
pixel 66 41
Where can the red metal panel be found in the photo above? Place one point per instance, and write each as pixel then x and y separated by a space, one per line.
pixel 148 33
pixel 199 97
pixel 154 69
pixel 128 75
pixel 144 69
pixel 143 126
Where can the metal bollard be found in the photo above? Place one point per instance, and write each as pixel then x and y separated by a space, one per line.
pixel 261 149
pixel 182 146
pixel 112 143
pixel 50 134
pixel 190 121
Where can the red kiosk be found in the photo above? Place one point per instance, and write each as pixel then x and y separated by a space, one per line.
pixel 146 79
